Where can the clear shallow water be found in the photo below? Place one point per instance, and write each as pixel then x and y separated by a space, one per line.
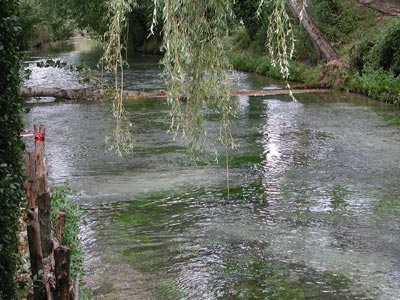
pixel 313 211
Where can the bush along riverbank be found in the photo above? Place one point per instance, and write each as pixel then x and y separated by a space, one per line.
pixel 366 41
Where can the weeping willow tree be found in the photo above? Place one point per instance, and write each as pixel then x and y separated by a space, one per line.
pixel 195 65
pixel 115 40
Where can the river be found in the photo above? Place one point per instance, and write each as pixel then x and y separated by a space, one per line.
pixel 313 209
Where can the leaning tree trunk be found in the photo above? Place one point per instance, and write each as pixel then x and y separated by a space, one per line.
pixel 319 41
pixel 388 7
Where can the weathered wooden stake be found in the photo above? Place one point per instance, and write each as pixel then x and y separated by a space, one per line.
pixel 30 182
pixel 40 160
pixel 44 205
pixel 62 257
pixel 41 244
pixel 35 252
pixel 38 224
pixel 61 217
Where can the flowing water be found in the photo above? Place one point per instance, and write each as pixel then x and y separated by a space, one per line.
pixel 312 212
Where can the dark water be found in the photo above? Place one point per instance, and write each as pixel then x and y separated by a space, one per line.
pixel 313 209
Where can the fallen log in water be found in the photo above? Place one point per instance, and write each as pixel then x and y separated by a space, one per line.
pixel 278 92
pixel 83 93
pixel 99 93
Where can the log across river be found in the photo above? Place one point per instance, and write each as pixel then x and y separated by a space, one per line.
pixel 100 93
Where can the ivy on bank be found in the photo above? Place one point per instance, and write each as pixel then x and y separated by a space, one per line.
pixel 11 146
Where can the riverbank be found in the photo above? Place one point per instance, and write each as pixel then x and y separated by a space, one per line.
pixel 366 41
pixel 377 84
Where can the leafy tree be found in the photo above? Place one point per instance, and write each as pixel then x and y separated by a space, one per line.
pixel 43 21
pixel 90 14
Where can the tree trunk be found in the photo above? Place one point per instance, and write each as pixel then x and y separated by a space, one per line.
pixel 318 39
pixel 388 7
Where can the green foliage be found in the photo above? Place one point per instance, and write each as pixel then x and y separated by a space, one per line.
pixel 247 61
pixel 377 84
pixel 43 22
pixel 375 63
pixel 11 146
pixel 280 37
pixel 360 54
pixel 196 66
pixel 90 14
pixel 381 50
pixel 246 12
pixel 387 50
pixel 113 60
pixel 336 19
pixel 52 63
pixel 304 49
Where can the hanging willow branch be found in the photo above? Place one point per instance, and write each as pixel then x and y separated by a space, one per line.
pixel 113 61
pixel 194 62
pixel 196 67
pixel 280 35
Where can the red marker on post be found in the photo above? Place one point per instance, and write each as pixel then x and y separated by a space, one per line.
pixel 39 137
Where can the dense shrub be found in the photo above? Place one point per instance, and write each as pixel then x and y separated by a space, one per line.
pixel 387 50
pixel 245 11
pixel 381 51
pixel 43 23
pixel 377 84
pixel 360 54
pixel 336 19
pixel 11 181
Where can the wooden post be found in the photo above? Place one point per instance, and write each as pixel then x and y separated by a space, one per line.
pixel 61 217
pixel 30 182
pixel 40 161
pixel 62 257
pixel 36 257
pixel 40 229
pixel 44 205
pixel 38 224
